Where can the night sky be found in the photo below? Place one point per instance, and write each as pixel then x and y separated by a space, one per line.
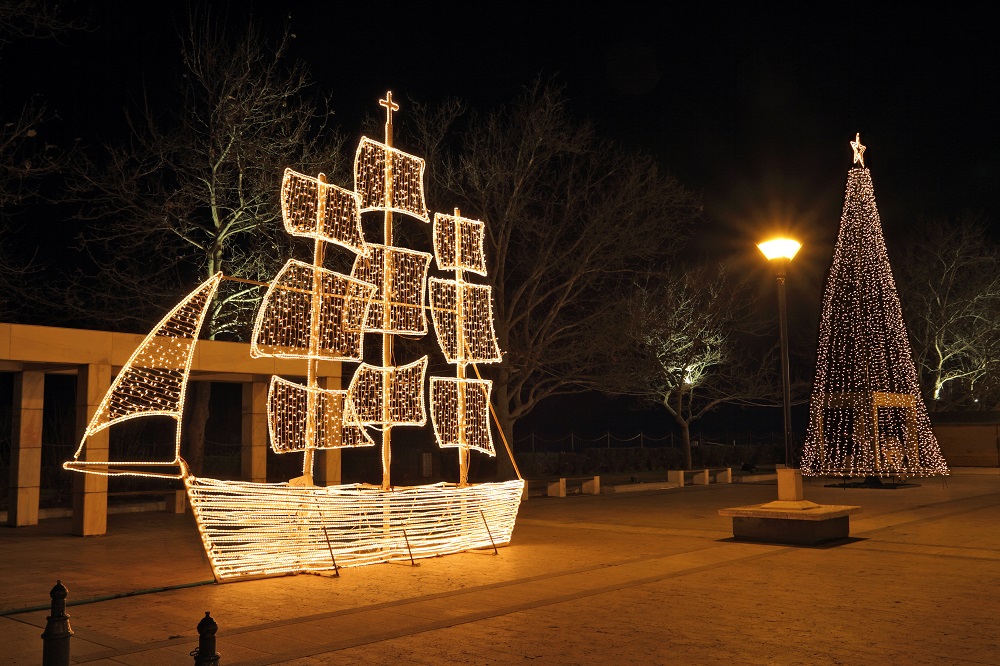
pixel 753 107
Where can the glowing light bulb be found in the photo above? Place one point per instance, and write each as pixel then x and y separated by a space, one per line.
pixel 779 248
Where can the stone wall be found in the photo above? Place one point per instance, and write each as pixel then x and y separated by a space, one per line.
pixel 969 445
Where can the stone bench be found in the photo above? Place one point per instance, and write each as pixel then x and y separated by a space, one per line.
pixel 807 526
pixel 556 486
pixel 701 476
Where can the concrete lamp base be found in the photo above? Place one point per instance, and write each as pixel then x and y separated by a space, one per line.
pixel 791 519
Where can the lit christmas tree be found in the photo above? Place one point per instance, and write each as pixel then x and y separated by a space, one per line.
pixel 866 414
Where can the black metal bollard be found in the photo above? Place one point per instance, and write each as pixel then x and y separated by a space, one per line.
pixel 205 654
pixel 55 638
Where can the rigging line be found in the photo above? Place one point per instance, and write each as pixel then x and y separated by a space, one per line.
pixel 496 420
pixel 246 281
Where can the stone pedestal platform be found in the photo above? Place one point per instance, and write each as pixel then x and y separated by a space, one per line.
pixel 794 525
pixel 791 519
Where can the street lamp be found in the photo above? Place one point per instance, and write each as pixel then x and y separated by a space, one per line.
pixel 779 252
pixel 791 518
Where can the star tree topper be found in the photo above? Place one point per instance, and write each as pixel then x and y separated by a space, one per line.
pixel 859 150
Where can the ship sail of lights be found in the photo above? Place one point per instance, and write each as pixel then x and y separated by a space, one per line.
pixel 310 312
pixel 866 413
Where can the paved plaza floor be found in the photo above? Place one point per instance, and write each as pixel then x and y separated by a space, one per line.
pixel 650 577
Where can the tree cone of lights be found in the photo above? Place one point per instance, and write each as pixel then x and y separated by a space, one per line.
pixel 866 414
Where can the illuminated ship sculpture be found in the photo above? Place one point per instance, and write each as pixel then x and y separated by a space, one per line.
pixel 312 313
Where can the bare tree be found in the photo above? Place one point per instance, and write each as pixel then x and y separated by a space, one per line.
pixel 196 189
pixel 950 292
pixel 33 19
pixel 689 342
pixel 570 217
pixel 28 150
pixel 28 160
pixel 25 154
pixel 23 162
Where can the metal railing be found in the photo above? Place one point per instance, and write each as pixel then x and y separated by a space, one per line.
pixel 572 442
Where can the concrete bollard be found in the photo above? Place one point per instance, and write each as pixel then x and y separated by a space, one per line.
pixel 55 638
pixel 205 654
pixel 556 488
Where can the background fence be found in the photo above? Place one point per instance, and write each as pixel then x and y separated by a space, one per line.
pixel 609 454
pixel 534 443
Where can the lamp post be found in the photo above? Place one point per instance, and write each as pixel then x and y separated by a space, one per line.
pixel 779 252
pixel 791 518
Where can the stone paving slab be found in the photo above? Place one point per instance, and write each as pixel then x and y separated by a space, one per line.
pixel 651 578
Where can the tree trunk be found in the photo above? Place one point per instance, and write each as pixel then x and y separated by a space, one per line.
pixel 686 443
pixel 199 394
pixel 505 467
pixel 677 411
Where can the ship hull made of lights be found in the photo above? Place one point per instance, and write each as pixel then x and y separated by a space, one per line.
pixel 266 529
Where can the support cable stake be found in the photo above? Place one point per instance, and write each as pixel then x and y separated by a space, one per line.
pixel 488 533
pixel 336 569
pixel 407 539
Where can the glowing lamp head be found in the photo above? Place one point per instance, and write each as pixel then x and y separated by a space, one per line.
pixel 780 248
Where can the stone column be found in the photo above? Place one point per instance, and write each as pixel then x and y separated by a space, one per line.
pixel 254 431
pixel 26 450
pixel 326 470
pixel 90 491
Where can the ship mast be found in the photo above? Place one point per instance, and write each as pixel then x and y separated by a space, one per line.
pixel 314 324
pixel 463 319
pixel 387 338
pixel 463 450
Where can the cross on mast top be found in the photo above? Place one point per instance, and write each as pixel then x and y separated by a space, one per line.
pixel 390 106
